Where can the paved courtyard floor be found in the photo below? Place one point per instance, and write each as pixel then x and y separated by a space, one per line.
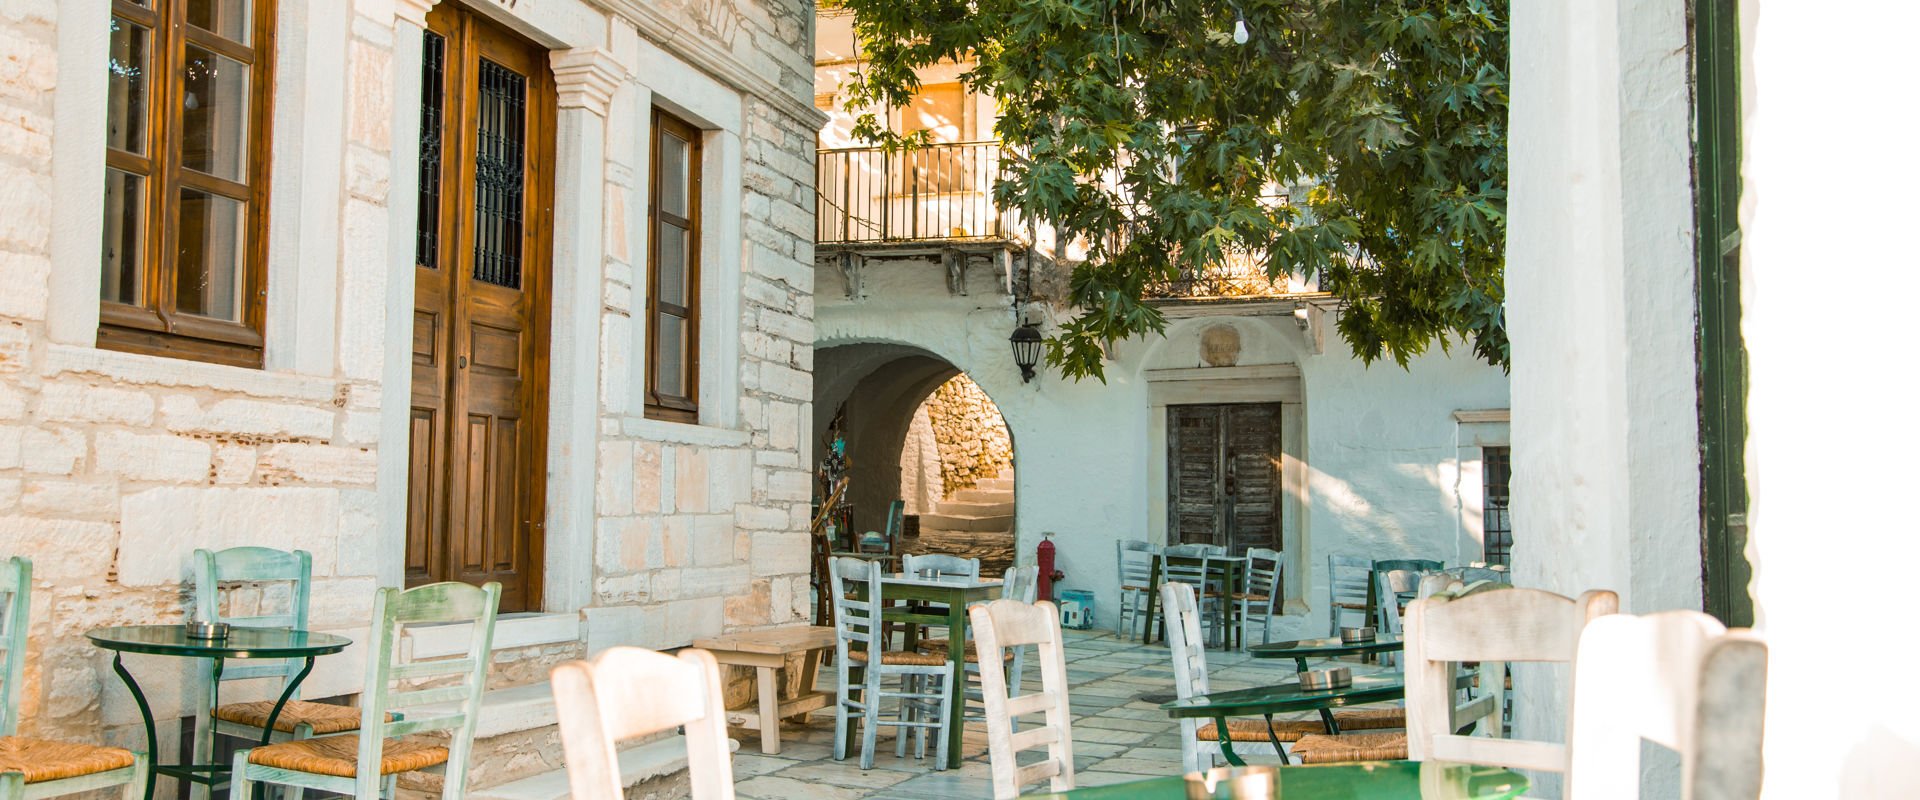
pixel 1117 735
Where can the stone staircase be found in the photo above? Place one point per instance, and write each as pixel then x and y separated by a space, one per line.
pixel 974 523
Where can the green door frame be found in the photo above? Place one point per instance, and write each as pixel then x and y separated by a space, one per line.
pixel 1722 350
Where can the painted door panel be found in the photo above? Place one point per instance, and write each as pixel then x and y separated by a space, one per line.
pixel 1224 475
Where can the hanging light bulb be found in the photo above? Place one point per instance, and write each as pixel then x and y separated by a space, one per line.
pixel 1239 27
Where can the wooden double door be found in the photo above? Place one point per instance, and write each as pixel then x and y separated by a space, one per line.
pixel 1223 475
pixel 482 278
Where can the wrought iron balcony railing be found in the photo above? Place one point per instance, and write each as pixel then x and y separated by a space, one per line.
pixel 940 192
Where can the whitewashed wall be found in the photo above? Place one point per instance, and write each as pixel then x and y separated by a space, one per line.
pixel 1380 444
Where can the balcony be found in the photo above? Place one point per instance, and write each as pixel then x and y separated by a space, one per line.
pixel 940 193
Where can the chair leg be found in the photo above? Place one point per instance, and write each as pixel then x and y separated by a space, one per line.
pixel 136 788
pixel 947 722
pixel 909 711
pixel 840 701
pixel 239 786
pixel 870 725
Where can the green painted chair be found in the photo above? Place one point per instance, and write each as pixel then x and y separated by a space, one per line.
pixel 29 767
pixel 265 569
pixel 365 762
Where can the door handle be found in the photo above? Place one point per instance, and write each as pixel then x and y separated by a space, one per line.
pixel 463 362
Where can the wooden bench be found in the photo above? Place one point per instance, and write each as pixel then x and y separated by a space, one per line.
pixel 767 651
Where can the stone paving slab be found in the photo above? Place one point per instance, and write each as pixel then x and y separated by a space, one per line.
pixel 1117 736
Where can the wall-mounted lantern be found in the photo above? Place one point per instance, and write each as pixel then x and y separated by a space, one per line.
pixel 1027 342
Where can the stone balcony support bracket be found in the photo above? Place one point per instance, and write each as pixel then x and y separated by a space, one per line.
pixel 414 11
pixel 586 79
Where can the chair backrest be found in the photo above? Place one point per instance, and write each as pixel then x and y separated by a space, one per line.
pixel 629 692
pixel 399 681
pixel 1187 550
pixel 1003 624
pixel 267 572
pixel 855 614
pixel 1021 583
pixel 1679 679
pixel 1388 585
pixel 1477 624
pixel 1184 640
pixel 1264 570
pixel 940 565
pixel 16 617
pixel 1347 579
pixel 1135 562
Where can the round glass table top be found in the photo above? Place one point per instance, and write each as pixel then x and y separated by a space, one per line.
pixel 1288 697
pixel 240 642
pixel 1374 780
pixel 1310 648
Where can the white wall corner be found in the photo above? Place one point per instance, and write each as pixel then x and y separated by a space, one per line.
pixel 79 172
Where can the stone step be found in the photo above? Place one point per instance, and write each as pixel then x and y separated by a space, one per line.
pixel 504 711
pixel 966 508
pixel 979 495
pixel 650 760
pixel 967 522
pixel 1004 483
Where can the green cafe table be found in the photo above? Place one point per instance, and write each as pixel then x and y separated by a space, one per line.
pixel 1333 647
pixel 1266 701
pixel 952 595
pixel 1374 780
pixel 240 642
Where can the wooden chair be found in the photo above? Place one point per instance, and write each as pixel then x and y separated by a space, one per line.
pixel 1392 579
pixel 1200 742
pixel 1135 568
pixel 1261 591
pixel 299 719
pixel 1347 580
pixel 1019 583
pixel 361 763
pixel 1195 575
pixel 629 692
pixel 1002 624
pixel 1679 679
pixel 33 768
pixel 859 644
pixel 1490 628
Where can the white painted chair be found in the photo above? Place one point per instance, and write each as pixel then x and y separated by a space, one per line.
pixel 937 566
pixel 1019 583
pixel 1347 579
pixel 859 644
pixel 997 626
pixel 1259 595
pixel 629 692
pixel 1679 679
pixel 1135 564
pixel 1490 628
pixel 1200 742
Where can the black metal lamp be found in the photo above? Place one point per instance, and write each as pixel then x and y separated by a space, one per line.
pixel 1027 342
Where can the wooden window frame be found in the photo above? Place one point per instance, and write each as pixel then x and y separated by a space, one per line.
pixel 155 326
pixel 658 406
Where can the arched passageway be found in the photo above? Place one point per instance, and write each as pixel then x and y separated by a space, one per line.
pixel 916 430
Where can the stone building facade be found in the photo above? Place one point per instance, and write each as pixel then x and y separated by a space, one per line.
pixel 116 465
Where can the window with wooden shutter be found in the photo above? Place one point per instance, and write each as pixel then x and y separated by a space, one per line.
pixel 673 272
pixel 183 251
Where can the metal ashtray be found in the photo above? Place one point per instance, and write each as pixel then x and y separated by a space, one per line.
pixel 1357 635
pixel 1233 783
pixel 1322 679
pixel 207 630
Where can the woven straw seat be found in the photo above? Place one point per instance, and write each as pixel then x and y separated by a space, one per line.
pixel 939 647
pixel 902 658
pixel 44 760
pixel 322 717
pixel 1257 598
pixel 1353 606
pixel 1255 730
pixel 1130 588
pixel 335 755
pixel 1350 747
pixel 1370 719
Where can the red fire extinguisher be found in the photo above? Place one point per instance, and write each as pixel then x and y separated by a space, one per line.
pixel 1044 557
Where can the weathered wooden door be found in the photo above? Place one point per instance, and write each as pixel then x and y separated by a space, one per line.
pixel 1223 475
pixel 477 472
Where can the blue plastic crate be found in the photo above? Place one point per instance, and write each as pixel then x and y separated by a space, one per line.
pixel 1076 609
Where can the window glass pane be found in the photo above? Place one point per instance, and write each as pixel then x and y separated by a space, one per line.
pixel 124 238
pixel 229 18
pixel 210 261
pixel 670 357
pixel 673 264
pixel 127 56
pixel 673 174
pixel 213 124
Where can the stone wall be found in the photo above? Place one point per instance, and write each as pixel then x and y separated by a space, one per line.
pixel 972 437
pixel 115 467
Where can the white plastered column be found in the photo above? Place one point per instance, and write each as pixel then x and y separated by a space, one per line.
pixel 585 80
